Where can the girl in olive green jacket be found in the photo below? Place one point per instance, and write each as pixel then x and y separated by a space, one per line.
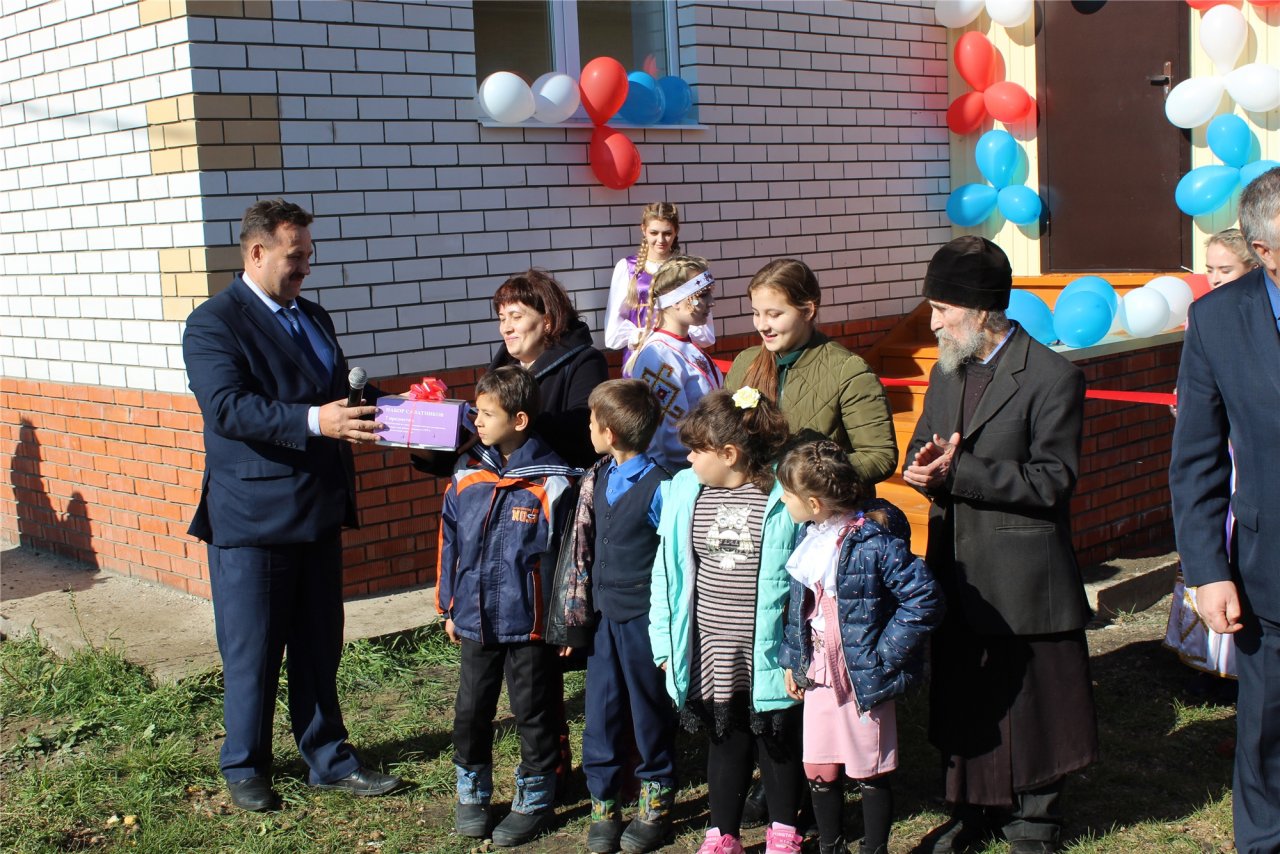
pixel 817 382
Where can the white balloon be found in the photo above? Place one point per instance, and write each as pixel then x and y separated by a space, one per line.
pixel 1177 293
pixel 1255 86
pixel 956 13
pixel 1010 13
pixel 556 96
pixel 1222 35
pixel 1194 101
pixel 506 98
pixel 1145 311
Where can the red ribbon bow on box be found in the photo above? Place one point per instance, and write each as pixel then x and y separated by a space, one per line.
pixel 429 389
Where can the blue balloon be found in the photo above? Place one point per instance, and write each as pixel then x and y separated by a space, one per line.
pixel 1018 204
pixel 679 98
pixel 1229 137
pixel 1032 314
pixel 645 102
pixel 1254 170
pixel 1094 285
pixel 997 156
pixel 1205 189
pixel 971 204
pixel 1081 319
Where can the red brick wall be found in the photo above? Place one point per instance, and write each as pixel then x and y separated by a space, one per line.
pixel 1121 504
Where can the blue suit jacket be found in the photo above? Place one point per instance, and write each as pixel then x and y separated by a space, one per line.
pixel 266 481
pixel 1229 386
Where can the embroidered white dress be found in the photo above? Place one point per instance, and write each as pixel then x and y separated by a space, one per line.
pixel 680 375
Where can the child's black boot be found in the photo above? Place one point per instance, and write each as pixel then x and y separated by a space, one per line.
pixel 475 788
pixel 651 828
pixel 605 833
pixel 531 810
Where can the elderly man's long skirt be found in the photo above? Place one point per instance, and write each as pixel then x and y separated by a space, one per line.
pixel 1009 713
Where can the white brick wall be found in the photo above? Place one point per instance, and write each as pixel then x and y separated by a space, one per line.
pixel 824 138
pixel 81 214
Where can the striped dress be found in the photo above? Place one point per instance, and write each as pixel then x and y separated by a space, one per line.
pixel 727 528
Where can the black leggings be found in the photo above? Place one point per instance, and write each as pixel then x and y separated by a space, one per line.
pixel 730 760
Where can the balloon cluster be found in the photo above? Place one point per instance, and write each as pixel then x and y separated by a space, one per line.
pixel 1255 86
pixel 605 90
pixel 1088 308
pixel 1002 162
pixel 1206 188
pixel 960 13
pixel 979 64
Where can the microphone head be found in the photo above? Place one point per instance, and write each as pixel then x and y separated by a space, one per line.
pixel 357 378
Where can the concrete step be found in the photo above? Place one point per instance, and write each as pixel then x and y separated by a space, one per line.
pixel 1124 585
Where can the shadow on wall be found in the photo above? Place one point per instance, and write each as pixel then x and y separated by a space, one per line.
pixel 42 526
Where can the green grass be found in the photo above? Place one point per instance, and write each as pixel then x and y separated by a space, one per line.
pixel 94 755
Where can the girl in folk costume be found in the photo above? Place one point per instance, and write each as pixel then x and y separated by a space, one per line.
pixel 677 370
pixel 861 607
pixel 632 276
pixel 1227 258
pixel 724 539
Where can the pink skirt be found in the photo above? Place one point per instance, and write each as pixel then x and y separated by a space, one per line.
pixel 865 744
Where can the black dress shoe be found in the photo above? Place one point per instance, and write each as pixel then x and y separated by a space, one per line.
pixel 364 783
pixel 254 794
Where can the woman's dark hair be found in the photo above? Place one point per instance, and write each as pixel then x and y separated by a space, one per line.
pixel 820 468
pixel 799 286
pixel 539 290
pixel 758 432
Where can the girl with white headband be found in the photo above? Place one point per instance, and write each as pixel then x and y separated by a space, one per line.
pixel 678 371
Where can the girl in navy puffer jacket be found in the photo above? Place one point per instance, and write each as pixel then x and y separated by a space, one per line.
pixel 861 607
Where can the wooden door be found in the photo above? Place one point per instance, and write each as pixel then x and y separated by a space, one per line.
pixel 1109 159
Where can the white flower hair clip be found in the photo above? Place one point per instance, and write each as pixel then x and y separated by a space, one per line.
pixel 746 397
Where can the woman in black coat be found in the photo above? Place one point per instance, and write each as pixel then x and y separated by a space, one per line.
pixel 542 332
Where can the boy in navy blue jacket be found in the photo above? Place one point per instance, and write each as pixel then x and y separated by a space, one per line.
pixel 500 526
pixel 604 577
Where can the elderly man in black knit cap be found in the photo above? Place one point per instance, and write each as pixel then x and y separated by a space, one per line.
pixel 997 452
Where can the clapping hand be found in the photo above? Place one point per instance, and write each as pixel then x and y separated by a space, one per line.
pixel 932 463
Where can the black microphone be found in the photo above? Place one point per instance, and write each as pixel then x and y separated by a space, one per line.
pixel 356 379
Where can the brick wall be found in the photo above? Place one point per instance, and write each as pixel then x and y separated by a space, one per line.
pixel 1121 504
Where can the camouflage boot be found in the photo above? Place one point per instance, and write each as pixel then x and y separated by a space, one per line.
pixel 606 827
pixel 651 828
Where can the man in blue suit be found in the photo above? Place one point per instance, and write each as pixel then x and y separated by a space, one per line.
pixel 279 483
pixel 1229 405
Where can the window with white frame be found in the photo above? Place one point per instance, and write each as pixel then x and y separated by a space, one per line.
pixel 532 37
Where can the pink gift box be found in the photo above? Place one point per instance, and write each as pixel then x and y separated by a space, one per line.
pixel 433 424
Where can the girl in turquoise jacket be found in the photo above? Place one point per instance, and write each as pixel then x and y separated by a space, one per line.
pixel 718 598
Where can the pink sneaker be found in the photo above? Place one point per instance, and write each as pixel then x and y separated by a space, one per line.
pixel 721 843
pixel 782 839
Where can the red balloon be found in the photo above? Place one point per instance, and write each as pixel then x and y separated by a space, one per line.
pixel 604 87
pixel 1007 102
pixel 967 113
pixel 977 60
pixel 1202 5
pixel 1263 4
pixel 1199 283
pixel 614 158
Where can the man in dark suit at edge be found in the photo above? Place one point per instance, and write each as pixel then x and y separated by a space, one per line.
pixel 279 484
pixel 997 451
pixel 1229 406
